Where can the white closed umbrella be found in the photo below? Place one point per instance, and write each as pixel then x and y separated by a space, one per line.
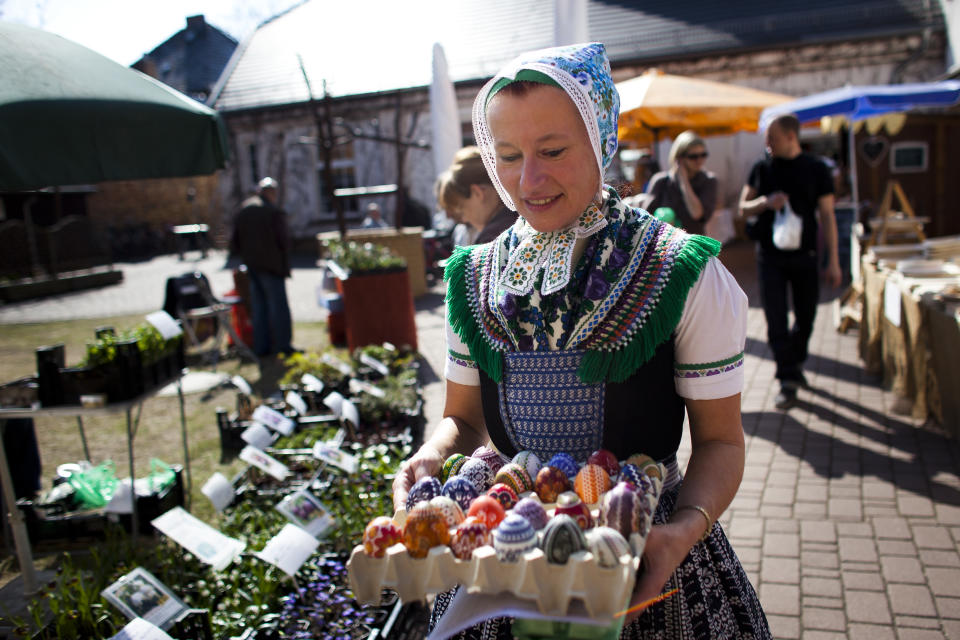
pixel 569 22
pixel 444 113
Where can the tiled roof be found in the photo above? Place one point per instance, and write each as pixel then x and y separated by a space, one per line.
pixel 368 46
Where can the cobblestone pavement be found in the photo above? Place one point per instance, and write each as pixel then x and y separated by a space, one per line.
pixel 848 517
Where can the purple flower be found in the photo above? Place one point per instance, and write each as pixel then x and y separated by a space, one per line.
pixel 525 343
pixel 597 285
pixel 508 304
pixel 624 231
pixel 618 258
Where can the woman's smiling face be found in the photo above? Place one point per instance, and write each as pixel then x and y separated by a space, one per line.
pixel 544 157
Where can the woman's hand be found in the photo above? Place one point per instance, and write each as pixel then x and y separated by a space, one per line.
pixel 667 546
pixel 425 462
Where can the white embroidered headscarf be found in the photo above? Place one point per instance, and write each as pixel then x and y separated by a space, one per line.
pixel 583 72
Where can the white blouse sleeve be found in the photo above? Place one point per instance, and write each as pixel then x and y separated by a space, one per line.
pixel 710 337
pixel 460 366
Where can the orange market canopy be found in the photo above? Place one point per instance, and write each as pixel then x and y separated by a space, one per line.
pixel 656 104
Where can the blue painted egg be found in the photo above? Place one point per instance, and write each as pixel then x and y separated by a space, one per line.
pixel 513 538
pixel 461 491
pixel 478 472
pixel 566 463
pixel 424 490
pixel 562 537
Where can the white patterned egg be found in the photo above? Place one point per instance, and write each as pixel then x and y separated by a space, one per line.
pixel 513 538
pixel 607 545
pixel 477 472
pixel 529 462
pixel 450 510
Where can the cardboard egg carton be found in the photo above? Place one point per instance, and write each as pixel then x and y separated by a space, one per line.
pixel 603 590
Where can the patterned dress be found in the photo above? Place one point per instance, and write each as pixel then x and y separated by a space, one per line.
pixel 591 365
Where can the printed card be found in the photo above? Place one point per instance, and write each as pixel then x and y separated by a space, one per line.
pixel 265 463
pixel 219 490
pixel 139 594
pixel 304 510
pixel 289 549
pixel 199 538
pixel 274 419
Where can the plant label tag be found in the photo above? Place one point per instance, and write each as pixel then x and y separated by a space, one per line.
pixel 274 419
pixel 265 463
pixel 311 382
pixel 337 364
pixel 330 453
pixel 139 594
pixel 219 490
pixel 294 401
pixel 304 510
pixel 289 549
pixel 350 413
pixel 334 402
pixel 257 435
pixel 240 383
pixel 165 324
pixel 374 364
pixel 362 386
pixel 199 538
pixel 140 629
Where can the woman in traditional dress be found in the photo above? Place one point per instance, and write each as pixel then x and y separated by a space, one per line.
pixel 591 325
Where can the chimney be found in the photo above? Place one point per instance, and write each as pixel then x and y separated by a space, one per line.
pixel 196 23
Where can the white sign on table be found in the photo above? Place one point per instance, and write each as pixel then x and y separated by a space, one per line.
pixel 274 419
pixel 289 549
pixel 264 462
pixel 219 490
pixel 199 538
pixel 165 324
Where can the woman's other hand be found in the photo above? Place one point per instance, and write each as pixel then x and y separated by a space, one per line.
pixel 425 462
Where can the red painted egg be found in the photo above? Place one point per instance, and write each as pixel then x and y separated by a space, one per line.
pixel 607 460
pixel 469 535
pixel 550 483
pixel 504 494
pixel 591 483
pixel 426 528
pixel 381 534
pixel 487 510
pixel 570 503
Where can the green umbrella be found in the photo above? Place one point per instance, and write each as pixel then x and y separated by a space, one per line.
pixel 69 116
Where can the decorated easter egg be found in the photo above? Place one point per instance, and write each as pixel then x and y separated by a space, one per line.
pixel 491 457
pixel 653 469
pixel 562 537
pixel 623 510
pixel 451 466
pixel 631 474
pixel 381 534
pixel 478 472
pixel 469 535
pixel 425 528
pixel 607 545
pixel 505 495
pixel 424 490
pixel 531 509
pixel 550 483
pixel 607 460
pixel 513 538
pixel 570 503
pixel 566 463
pixel 515 477
pixel 461 491
pixel 487 510
pixel 451 511
pixel 639 459
pixel 529 461
pixel 591 483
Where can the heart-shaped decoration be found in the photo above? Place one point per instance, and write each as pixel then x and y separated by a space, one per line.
pixel 874 149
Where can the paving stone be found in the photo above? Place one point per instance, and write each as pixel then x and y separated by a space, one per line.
pixel 786 570
pixel 915 622
pixel 948 607
pixel 915 506
pixel 781 544
pixel 892 528
pixel 857 549
pixel 919 634
pixel 845 509
pixel 787 627
pixel 867 606
pixel 775 525
pixel 776 511
pixel 902 569
pixel 896 548
pixel 820 559
pixel 908 599
pixel 820 602
pixel 874 510
pixel 855 529
pixel 878 490
pixel 944 582
pixel 823 635
pixel 746 528
pixel 938 558
pixel 822 587
pixel 932 538
pixel 818 531
pixel 781 599
pixel 948 514
pixel 811 493
pixel 810 510
pixel 952 629
pixel 821 618
pixel 870 632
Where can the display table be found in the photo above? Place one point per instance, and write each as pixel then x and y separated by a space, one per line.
pixel 15 517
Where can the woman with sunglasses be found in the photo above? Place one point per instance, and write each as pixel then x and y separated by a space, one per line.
pixel 687 187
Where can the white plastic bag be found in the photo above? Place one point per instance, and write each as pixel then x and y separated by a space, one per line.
pixel 787 229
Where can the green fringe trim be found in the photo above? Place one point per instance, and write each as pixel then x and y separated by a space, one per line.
pixel 617 366
pixel 461 318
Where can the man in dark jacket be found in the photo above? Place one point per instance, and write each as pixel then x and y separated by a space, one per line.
pixel 261 240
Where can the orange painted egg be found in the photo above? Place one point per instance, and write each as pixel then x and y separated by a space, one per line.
pixel 488 511
pixel 591 483
pixel 426 528
pixel 381 534
pixel 469 535
pixel 450 510
pixel 550 483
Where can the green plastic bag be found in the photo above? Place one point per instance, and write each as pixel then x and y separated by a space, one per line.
pixel 94 487
pixel 667 215
pixel 161 476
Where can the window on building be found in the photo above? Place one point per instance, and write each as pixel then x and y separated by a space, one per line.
pixel 254 173
pixel 344 176
pixel 909 157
